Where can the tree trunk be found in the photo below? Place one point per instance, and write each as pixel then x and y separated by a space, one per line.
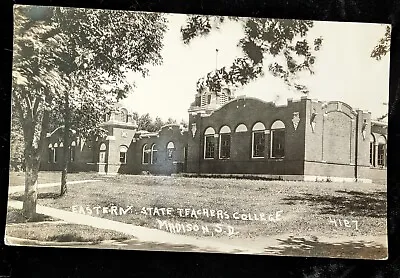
pixel 31 186
pixel 66 146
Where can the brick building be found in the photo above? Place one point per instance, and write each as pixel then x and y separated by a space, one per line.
pixel 302 140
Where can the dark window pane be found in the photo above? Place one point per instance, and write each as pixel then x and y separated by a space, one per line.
pixel 209 145
pixel 146 155
pixel 153 154
pixel 381 154
pixel 122 157
pixel 146 158
pixel 225 146
pixel 371 154
pixel 278 143
pixel 258 144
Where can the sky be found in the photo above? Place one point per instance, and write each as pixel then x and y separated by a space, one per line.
pixel 344 70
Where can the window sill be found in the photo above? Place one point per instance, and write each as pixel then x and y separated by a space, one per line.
pixel 277 158
pixel 378 167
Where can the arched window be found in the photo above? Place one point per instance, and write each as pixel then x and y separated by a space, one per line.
pixel 258 140
pixel 153 154
pixel 209 145
pixel 382 151
pixel 225 142
pixel 170 149
pixel 102 153
pixel 372 150
pixel 124 115
pixel 277 139
pixel 122 154
pixel 241 128
pixel 145 154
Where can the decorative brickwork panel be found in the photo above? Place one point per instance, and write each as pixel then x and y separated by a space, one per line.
pixel 337 137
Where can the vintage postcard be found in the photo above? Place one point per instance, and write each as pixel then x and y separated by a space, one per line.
pixel 193 133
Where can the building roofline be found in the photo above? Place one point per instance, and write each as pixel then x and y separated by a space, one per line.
pixel 375 122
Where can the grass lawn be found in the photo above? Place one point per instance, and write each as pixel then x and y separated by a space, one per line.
pixel 62 232
pixel 47 229
pixel 307 207
pixel 18 178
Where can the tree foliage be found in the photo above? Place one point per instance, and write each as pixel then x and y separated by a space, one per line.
pixel 75 55
pixel 272 38
pixel 381 49
pixel 383 46
pixel 146 122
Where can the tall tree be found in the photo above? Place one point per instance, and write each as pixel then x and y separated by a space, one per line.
pixel 262 38
pixel 145 122
pixel 158 123
pixel 74 61
pixel 170 121
pixel 36 83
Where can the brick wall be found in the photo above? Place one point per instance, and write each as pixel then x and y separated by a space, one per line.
pixel 164 164
pixel 248 111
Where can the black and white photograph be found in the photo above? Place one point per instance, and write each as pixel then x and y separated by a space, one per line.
pixel 198 133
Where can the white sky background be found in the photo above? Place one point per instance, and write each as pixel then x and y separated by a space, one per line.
pixel 344 70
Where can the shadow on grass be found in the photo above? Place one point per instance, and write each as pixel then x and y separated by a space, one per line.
pixel 162 246
pixel 298 246
pixel 348 203
pixel 69 237
pixel 15 216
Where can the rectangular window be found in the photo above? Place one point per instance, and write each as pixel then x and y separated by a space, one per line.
pixel 102 158
pixel 225 146
pixel 278 143
pixel 154 157
pixel 371 154
pixel 258 144
pixel 146 157
pixel 209 99
pixel 55 155
pixel 381 155
pixel 122 157
pixel 209 146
